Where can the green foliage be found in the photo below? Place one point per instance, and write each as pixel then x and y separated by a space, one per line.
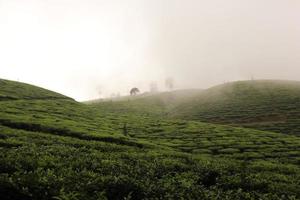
pixel 12 90
pixel 265 105
pixel 56 148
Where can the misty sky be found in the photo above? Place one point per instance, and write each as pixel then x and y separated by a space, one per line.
pixel 92 48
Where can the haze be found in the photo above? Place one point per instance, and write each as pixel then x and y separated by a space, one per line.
pixel 92 48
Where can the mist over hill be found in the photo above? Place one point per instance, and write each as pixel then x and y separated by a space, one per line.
pixel 263 104
pixel 149 100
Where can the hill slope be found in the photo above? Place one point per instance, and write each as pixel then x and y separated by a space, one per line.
pixel 12 90
pixel 149 103
pixel 265 105
pixel 56 148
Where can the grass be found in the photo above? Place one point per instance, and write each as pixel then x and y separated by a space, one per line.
pixel 56 148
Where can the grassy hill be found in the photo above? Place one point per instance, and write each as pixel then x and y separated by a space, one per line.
pixel 147 103
pixel 52 147
pixel 12 90
pixel 271 105
pixel 265 105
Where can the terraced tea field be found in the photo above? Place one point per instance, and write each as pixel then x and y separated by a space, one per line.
pixel 52 147
pixel 265 105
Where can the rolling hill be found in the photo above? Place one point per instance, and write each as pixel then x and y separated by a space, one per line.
pixel 263 104
pixel 12 90
pixel 148 103
pixel 52 147
pixel 272 105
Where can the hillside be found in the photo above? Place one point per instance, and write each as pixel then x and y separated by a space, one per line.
pixel 270 105
pixel 57 148
pixel 265 105
pixel 148 103
pixel 12 90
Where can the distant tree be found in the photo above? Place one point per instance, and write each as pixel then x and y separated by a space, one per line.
pixel 112 95
pixel 153 87
pixel 99 91
pixel 115 95
pixel 169 83
pixel 134 91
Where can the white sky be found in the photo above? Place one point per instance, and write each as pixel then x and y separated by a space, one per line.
pixel 91 48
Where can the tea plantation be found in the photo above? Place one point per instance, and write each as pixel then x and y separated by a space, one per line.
pixel 272 105
pixel 263 104
pixel 52 147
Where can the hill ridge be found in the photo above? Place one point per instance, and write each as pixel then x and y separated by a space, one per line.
pixel 13 90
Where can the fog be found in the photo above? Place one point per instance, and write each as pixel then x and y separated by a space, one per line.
pixel 95 48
